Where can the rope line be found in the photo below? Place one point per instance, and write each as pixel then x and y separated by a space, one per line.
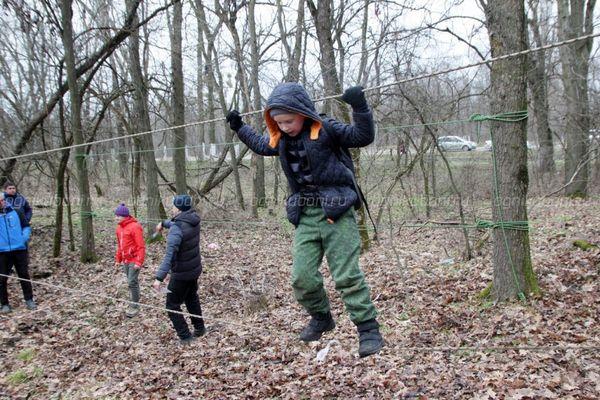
pixel 117 299
pixel 472 118
pixel 254 327
pixel 479 224
pixel 399 82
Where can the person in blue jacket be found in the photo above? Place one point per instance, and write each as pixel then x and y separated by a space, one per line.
pixel 313 152
pixel 15 233
pixel 16 200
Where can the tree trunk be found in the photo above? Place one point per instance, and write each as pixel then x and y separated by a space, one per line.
pixel 425 174
pixel 575 18
pixel 60 187
pixel 513 271
pixel 324 26
pixel 229 16
pixel 200 68
pixel 538 84
pixel 142 117
pixel 178 100
pixel 293 55
pixel 88 252
pixel 70 215
pixel 258 162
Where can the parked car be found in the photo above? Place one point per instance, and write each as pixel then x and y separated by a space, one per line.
pixel 456 143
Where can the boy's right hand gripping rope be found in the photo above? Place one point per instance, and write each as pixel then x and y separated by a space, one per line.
pixel 234 120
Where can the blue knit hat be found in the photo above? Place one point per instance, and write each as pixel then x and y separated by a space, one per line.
pixel 122 211
pixel 183 202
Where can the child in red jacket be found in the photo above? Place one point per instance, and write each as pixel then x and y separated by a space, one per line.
pixel 131 250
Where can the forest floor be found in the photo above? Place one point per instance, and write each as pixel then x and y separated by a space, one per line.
pixel 79 345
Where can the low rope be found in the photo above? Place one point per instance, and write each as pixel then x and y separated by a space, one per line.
pixel 117 299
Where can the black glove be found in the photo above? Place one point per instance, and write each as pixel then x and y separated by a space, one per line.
pixel 234 120
pixel 355 96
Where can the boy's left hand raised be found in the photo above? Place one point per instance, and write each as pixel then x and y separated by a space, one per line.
pixel 355 96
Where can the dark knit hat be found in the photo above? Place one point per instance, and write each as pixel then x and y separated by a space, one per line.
pixel 122 211
pixel 183 202
pixel 273 112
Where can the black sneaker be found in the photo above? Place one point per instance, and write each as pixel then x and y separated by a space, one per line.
pixel 199 332
pixel 318 324
pixel 31 304
pixel 188 340
pixel 369 338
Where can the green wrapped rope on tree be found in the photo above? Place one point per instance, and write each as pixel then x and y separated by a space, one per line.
pixel 514 225
pixel 511 116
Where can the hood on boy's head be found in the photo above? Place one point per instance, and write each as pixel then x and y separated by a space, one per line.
pixel 291 96
pixel 189 216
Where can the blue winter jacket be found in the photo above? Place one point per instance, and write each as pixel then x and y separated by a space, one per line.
pixel 331 169
pixel 19 202
pixel 14 230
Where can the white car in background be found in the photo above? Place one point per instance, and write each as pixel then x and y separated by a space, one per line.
pixel 455 143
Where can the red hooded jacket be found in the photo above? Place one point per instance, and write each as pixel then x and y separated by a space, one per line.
pixel 130 242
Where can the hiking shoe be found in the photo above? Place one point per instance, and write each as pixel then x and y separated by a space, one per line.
pixel 318 324
pixel 30 304
pixel 5 309
pixel 187 341
pixel 132 311
pixel 369 338
pixel 199 332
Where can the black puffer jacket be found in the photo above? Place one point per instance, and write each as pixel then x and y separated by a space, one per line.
pixel 183 248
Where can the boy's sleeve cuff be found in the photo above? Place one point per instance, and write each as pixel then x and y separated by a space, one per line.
pixel 361 109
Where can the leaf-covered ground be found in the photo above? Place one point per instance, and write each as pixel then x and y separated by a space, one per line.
pixel 82 346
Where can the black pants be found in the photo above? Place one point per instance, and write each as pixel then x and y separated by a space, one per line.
pixel 20 259
pixel 184 292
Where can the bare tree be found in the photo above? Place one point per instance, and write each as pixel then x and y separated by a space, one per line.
pixel 88 252
pixel 538 83
pixel 258 162
pixel 89 65
pixel 576 18
pixel 142 117
pixel 178 99
pixel 322 17
pixel 293 55
pixel 513 271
